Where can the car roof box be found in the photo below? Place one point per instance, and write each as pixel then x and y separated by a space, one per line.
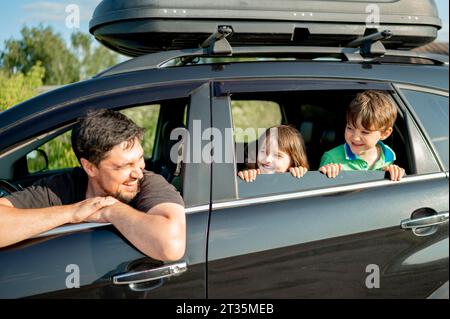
pixel 137 27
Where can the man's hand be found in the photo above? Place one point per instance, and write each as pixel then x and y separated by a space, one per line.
pixel 331 170
pixel 298 171
pixel 249 175
pixel 396 172
pixel 92 206
pixel 101 215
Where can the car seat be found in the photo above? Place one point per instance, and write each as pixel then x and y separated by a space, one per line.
pixel 170 169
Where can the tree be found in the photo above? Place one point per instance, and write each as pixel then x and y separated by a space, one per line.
pixel 41 44
pixel 62 64
pixel 19 87
pixel 92 58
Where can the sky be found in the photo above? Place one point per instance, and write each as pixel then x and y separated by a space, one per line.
pixel 16 13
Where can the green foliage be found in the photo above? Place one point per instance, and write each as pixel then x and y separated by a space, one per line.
pixel 41 44
pixel 146 117
pixel 62 64
pixel 59 152
pixel 254 115
pixel 92 59
pixel 20 87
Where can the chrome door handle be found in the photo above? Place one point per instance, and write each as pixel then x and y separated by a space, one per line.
pixel 425 221
pixel 150 274
pixel 419 226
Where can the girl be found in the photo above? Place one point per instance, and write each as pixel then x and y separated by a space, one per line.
pixel 281 149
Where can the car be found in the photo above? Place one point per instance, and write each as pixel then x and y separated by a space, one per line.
pixel 359 235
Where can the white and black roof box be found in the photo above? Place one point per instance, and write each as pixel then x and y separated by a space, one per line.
pixel 137 27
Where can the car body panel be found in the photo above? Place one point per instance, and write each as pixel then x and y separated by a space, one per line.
pixel 42 267
pixel 320 247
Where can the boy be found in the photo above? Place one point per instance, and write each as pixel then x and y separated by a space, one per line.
pixel 370 118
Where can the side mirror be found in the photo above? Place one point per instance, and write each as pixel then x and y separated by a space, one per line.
pixel 37 161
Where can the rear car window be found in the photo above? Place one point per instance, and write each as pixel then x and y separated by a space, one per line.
pixel 432 111
pixel 253 115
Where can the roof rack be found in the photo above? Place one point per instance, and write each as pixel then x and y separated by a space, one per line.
pixel 217 42
pixel 370 44
pixel 368 48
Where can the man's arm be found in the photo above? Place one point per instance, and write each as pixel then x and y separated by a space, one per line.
pixel 20 224
pixel 160 233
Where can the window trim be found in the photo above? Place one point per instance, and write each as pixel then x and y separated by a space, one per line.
pixel 416 119
pixel 231 86
pixel 66 229
pixel 242 202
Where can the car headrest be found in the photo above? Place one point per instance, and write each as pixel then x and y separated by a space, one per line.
pixel 328 136
pixel 167 128
pixel 306 129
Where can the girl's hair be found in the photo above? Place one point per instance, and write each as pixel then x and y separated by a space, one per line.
pixel 290 141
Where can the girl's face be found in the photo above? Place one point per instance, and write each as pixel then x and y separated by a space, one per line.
pixel 272 160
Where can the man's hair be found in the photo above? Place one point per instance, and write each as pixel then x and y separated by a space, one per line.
pixel 290 141
pixel 376 110
pixel 99 131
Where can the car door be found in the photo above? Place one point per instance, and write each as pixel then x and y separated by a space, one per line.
pixel 357 236
pixel 91 260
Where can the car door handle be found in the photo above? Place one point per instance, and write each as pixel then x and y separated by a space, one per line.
pixel 425 221
pixel 150 274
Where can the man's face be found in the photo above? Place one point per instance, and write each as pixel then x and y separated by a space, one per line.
pixel 120 173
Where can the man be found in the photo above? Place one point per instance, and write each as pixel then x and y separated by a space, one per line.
pixel 112 186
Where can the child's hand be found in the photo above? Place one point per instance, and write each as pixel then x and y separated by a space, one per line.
pixel 331 170
pixel 396 172
pixel 298 171
pixel 249 175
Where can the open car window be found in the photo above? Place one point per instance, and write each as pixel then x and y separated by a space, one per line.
pixel 56 149
pixel 320 116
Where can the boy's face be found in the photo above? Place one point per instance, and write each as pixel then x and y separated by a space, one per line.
pixel 271 159
pixel 362 140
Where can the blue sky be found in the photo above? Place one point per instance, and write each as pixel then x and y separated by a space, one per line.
pixel 16 13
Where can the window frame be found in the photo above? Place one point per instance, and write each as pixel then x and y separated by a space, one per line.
pixel 416 119
pixel 61 119
pixel 224 89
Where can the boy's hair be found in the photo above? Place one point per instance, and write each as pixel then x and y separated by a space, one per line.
pixel 291 142
pixel 376 109
pixel 99 131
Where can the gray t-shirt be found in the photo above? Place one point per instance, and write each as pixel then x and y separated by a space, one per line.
pixel 69 188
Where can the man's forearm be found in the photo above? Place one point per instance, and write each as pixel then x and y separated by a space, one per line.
pixel 156 235
pixel 19 224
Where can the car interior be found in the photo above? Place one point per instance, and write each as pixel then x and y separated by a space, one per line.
pixel 321 119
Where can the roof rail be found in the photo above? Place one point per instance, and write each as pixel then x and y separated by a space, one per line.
pixel 158 60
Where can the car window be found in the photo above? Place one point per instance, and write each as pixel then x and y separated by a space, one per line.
pixel 146 117
pixel 59 153
pixel 253 115
pixel 432 111
pixel 59 150
pixel 321 125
